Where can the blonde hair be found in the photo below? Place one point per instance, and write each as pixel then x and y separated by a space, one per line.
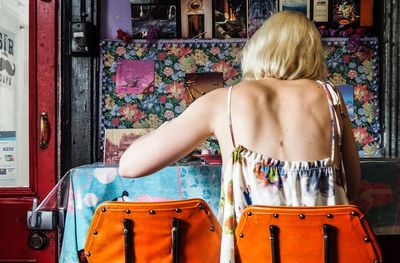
pixel 287 46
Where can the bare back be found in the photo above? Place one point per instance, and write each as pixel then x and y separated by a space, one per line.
pixel 283 119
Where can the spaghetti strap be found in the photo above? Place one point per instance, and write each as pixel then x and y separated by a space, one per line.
pixel 332 98
pixel 229 115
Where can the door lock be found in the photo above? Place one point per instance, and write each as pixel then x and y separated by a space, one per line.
pixel 38 240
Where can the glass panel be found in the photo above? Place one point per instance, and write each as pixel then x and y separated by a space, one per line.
pixel 14 93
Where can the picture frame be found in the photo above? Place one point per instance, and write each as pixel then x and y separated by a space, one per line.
pixel 196 17
pixel 116 141
pixel 230 19
pixel 134 76
pixel 258 12
pixel 198 84
pixel 303 6
pixel 156 18
pixel 346 12
pixel 322 12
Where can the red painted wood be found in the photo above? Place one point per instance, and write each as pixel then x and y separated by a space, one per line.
pixel 15 202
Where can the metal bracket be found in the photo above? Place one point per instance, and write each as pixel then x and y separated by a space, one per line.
pixel 44 220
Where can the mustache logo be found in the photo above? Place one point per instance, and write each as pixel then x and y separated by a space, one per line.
pixel 8 66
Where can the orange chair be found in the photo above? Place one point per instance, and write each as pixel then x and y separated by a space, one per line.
pixel 326 234
pixel 176 231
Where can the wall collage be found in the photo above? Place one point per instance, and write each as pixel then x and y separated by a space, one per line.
pixel 153 69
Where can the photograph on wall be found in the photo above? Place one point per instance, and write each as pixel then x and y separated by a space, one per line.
pixel 346 12
pixel 348 97
pixel 134 76
pixel 197 17
pixel 321 11
pixel 155 19
pixel 116 141
pixel 196 26
pixel 302 6
pixel 259 11
pixel 198 84
pixel 230 18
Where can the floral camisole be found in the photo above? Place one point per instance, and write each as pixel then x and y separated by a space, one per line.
pixel 252 178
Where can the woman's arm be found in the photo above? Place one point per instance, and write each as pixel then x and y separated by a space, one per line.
pixel 173 140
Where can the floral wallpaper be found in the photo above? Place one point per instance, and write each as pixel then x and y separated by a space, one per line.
pixel 354 61
pixel 349 62
pixel 168 98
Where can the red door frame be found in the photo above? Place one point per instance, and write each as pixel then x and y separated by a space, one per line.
pixel 43 162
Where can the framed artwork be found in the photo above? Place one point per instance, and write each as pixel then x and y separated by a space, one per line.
pixel 198 84
pixel 134 76
pixel 155 18
pixel 116 141
pixel 259 11
pixel 348 97
pixel 196 18
pixel 230 18
pixel 196 26
pixel 321 12
pixel 302 6
pixel 346 12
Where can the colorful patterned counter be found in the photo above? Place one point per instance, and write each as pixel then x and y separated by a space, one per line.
pixel 92 184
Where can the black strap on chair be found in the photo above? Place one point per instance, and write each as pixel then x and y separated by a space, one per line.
pixel 128 240
pixel 273 231
pixel 175 240
pixel 327 255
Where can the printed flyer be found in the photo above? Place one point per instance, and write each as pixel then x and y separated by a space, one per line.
pixel 7 157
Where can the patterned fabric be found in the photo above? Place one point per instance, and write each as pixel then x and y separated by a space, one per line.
pixel 90 185
pixel 252 178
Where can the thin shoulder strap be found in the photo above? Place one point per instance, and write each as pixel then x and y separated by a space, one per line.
pixel 332 97
pixel 337 101
pixel 230 115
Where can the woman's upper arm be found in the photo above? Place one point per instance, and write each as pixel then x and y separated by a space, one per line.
pixel 173 140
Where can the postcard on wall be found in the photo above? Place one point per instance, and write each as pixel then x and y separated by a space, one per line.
pixel 348 97
pixel 346 11
pixel 116 141
pixel 158 17
pixel 196 17
pixel 198 84
pixel 134 76
pixel 230 18
pixel 321 11
pixel 302 6
pixel 259 11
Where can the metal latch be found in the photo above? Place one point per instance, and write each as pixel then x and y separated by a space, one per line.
pixel 45 220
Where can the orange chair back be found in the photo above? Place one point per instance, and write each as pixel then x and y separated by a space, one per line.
pixel 328 234
pixel 176 231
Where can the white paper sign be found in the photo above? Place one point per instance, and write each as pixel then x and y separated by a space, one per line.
pixel 7 155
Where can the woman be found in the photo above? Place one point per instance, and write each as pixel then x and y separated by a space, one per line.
pixel 285 136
